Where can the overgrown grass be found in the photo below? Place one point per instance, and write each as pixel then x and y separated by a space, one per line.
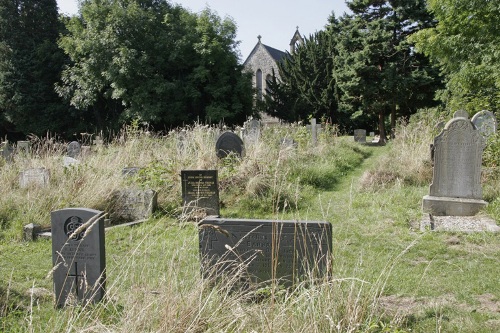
pixel 387 275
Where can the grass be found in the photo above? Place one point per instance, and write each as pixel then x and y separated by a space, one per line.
pixel 387 275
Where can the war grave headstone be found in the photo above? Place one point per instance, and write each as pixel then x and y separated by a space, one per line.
pixel 228 143
pixel 456 182
pixel 360 135
pixel 200 192
pixel 36 177
pixel 486 123
pixel 74 149
pixel 263 250
pixel 23 147
pixel 132 204
pixel 78 255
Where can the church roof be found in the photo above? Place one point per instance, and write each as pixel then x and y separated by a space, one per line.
pixel 275 53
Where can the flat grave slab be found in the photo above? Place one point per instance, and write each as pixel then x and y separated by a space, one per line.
pixel 260 251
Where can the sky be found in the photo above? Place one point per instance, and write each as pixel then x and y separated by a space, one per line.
pixel 274 20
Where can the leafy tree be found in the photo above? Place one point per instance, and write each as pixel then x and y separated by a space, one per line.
pixel 30 64
pixel 377 71
pixel 153 61
pixel 466 45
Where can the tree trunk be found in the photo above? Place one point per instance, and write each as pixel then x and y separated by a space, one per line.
pixel 381 128
pixel 393 120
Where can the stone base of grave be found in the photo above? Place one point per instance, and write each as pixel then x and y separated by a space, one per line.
pixel 478 223
pixel 446 206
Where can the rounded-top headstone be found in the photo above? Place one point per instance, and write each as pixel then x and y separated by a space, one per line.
pixel 74 149
pixel 485 122
pixel 227 143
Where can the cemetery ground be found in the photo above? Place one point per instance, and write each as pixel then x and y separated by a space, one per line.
pixel 387 274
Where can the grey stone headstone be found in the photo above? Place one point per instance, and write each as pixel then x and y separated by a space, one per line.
pixel 133 204
pixel 6 151
pixel 200 192
pixel 30 231
pixel 23 147
pixel 251 132
pixel 360 135
pixel 456 182
pixel 262 250
pixel 227 143
pixel 372 134
pixel 78 255
pixel 36 177
pixel 74 149
pixel 485 123
pixel 70 161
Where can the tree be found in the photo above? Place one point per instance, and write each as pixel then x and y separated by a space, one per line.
pixel 377 71
pixel 466 45
pixel 30 64
pixel 153 61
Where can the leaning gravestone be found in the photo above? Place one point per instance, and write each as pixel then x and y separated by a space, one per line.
pixel 360 135
pixel 74 149
pixel 36 177
pixel 228 143
pixel 262 250
pixel 200 192
pixel 133 204
pixel 456 181
pixel 78 255
pixel 485 122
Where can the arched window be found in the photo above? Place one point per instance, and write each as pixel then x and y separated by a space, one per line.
pixel 258 84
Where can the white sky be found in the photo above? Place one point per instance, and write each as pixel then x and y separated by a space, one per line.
pixel 274 20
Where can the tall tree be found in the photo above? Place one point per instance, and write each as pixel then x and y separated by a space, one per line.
pixel 377 71
pixel 30 65
pixel 153 61
pixel 466 45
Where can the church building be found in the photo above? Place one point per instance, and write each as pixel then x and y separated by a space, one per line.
pixel 263 59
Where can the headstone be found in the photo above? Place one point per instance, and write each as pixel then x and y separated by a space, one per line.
pixel 23 147
pixel 30 231
pixel 252 130
pixel 74 149
pixel 372 134
pixel 264 250
pixel 6 151
pixel 36 177
pixel 360 135
pixel 78 255
pixel 485 123
pixel 130 171
pixel 132 205
pixel 200 192
pixel 70 161
pixel 456 181
pixel 228 143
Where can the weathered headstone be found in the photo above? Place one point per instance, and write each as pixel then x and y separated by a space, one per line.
pixel 74 149
pixel 70 161
pixel 228 143
pixel 78 255
pixel 485 123
pixel 37 177
pixel 372 134
pixel 132 204
pixel 6 151
pixel 30 231
pixel 360 135
pixel 251 131
pixel 264 250
pixel 456 182
pixel 200 192
pixel 23 147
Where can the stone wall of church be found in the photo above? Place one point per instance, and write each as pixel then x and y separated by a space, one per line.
pixel 263 61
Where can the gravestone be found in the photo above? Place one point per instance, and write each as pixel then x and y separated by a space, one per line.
pixel 74 149
pixel 228 143
pixel 456 181
pixel 360 135
pixel 6 151
pixel 200 192
pixel 78 255
pixel 372 134
pixel 485 123
pixel 251 131
pixel 34 177
pixel 70 161
pixel 132 204
pixel 263 250
pixel 23 147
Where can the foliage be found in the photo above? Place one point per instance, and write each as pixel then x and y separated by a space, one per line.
pixel 465 44
pixel 153 61
pixel 30 65
pixel 376 69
